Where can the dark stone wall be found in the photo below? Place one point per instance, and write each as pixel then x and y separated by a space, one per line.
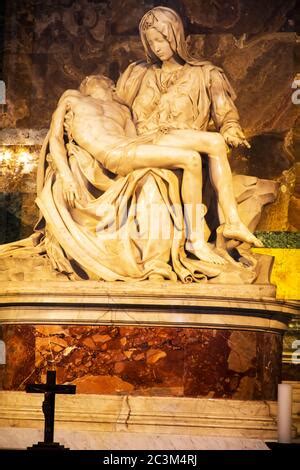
pixel 50 46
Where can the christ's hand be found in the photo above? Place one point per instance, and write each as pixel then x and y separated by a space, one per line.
pixel 71 190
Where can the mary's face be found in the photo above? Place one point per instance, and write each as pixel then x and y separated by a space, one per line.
pixel 159 45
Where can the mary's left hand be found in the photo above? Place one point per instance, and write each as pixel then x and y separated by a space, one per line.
pixel 234 136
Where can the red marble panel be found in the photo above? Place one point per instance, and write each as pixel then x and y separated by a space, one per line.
pixel 20 356
pixel 150 361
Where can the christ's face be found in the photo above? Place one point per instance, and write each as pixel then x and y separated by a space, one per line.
pixel 159 45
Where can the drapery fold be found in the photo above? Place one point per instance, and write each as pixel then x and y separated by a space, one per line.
pixel 99 236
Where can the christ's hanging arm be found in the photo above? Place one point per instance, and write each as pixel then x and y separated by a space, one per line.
pixel 58 152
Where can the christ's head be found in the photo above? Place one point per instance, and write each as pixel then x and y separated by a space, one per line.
pixel 97 86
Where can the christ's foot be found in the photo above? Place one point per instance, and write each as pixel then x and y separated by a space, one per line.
pixel 203 252
pixel 240 232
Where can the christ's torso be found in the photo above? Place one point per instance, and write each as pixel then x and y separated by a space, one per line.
pixel 96 120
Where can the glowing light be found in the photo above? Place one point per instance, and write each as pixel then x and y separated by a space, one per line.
pixel 16 160
pixel 26 160
pixel 6 155
pixel 16 163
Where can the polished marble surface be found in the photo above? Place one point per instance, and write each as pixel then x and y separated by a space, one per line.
pixel 19 438
pixel 147 361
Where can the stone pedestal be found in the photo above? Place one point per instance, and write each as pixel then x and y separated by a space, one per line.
pixel 150 339
pixel 149 357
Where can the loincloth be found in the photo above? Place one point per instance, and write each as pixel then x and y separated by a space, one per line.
pixel 118 157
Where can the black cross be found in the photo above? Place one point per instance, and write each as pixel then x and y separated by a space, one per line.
pixel 50 388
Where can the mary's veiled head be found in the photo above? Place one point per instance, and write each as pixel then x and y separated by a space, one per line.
pixel 169 24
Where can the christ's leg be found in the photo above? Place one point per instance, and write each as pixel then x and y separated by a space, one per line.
pixel 214 145
pixel 155 156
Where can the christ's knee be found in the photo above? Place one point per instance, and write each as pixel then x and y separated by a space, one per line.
pixel 193 161
pixel 217 144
